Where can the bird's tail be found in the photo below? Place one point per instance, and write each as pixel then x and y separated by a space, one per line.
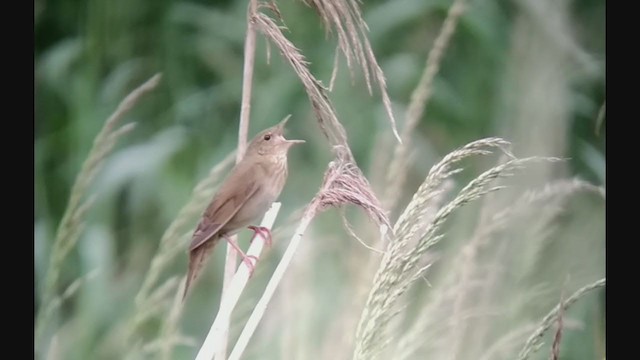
pixel 197 258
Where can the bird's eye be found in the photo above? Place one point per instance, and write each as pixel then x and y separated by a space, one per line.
pixel 267 137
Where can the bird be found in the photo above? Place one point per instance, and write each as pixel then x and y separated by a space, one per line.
pixel 244 197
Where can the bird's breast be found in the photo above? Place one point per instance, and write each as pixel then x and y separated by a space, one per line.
pixel 271 182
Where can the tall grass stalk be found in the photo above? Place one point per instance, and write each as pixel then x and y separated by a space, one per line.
pixel 316 91
pixel 345 17
pixel 217 337
pixel 231 257
pixel 72 222
pixel 534 341
pixel 453 298
pixel 400 266
pixel 420 96
pixel 261 306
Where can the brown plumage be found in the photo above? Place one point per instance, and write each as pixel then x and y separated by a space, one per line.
pixel 247 193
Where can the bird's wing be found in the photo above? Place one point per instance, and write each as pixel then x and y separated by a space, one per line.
pixel 223 208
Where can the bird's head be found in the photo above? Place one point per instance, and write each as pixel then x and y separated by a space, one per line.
pixel 272 142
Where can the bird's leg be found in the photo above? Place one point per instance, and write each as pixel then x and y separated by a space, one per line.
pixel 246 258
pixel 264 232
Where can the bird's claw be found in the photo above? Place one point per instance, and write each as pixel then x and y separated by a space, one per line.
pixel 264 232
pixel 251 265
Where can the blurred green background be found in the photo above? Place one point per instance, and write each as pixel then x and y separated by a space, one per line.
pixel 531 71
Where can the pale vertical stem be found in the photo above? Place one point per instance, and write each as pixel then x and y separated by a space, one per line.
pixel 247 81
pixel 217 336
pixel 229 268
pixel 261 306
pixel 243 130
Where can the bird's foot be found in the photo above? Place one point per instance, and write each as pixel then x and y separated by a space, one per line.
pixel 250 264
pixel 264 232
pixel 245 258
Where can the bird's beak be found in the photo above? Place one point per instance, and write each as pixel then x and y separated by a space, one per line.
pixel 282 123
pixel 281 126
pixel 292 142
